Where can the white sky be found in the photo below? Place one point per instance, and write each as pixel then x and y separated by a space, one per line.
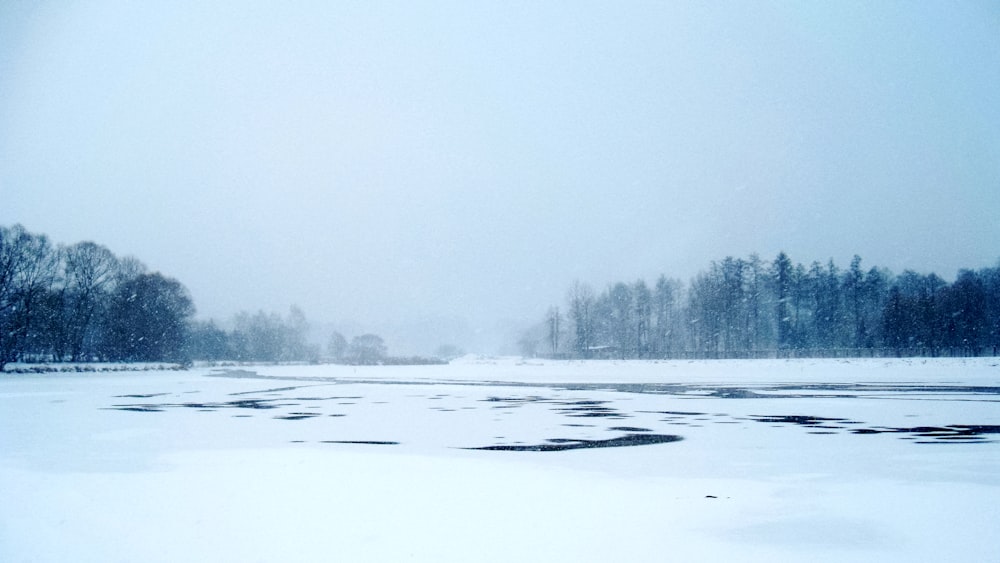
pixel 370 161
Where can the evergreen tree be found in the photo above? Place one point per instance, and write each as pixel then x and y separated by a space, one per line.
pixel 783 273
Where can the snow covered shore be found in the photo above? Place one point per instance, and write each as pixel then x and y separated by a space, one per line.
pixel 818 460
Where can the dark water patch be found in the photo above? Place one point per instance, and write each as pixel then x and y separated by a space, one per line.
pixel 658 388
pixel 365 442
pixel 947 442
pixel 562 444
pixel 556 400
pixel 608 415
pixel 589 409
pixel 977 428
pixel 297 416
pixel 954 433
pixel 251 404
pixel 796 419
pixel 926 430
pixel 642 388
pixel 583 403
pixel 242 416
pixel 256 404
pixel 134 408
pixel 586 409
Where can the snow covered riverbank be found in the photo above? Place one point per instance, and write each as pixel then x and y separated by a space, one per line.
pixel 820 460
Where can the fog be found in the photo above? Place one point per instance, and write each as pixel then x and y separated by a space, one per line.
pixel 442 172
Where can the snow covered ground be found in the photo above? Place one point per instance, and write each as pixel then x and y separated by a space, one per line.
pixel 506 460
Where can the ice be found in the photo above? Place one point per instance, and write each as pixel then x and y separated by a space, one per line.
pixel 818 460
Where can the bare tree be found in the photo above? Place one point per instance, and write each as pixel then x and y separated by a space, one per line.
pixel 90 272
pixel 259 337
pixel 581 311
pixel 666 296
pixel 297 347
pixel 337 346
pixel 368 349
pixel 622 319
pixel 554 320
pixel 27 272
pixel 642 304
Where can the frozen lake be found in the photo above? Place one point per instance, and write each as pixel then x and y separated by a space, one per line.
pixel 506 460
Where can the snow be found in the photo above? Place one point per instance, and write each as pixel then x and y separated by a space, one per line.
pixel 170 466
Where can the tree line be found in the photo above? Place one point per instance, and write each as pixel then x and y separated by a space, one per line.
pixel 746 308
pixel 82 303
pixel 269 337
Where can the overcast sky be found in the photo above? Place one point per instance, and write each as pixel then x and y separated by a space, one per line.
pixel 371 161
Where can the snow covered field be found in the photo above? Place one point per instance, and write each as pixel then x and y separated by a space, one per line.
pixel 506 460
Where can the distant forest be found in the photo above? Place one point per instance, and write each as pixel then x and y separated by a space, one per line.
pixel 81 303
pixel 751 308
